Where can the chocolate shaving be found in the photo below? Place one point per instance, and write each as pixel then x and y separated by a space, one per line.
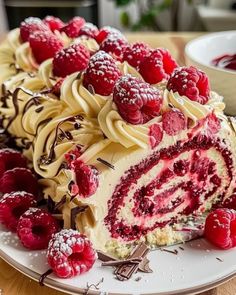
pixel 59 204
pixel 144 266
pixel 105 257
pixel 175 251
pixel 138 279
pixel 219 259
pixel 38 110
pixel 74 212
pixel 96 286
pixel 121 262
pixel 91 89
pixel 43 276
pixel 106 163
pixel 181 248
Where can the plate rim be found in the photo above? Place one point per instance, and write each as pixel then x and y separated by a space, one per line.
pixel 51 283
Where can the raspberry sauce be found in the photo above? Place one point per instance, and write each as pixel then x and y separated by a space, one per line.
pixel 226 61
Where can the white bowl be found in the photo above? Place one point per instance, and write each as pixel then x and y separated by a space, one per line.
pixel 201 51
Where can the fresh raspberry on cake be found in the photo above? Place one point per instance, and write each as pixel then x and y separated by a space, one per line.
pixel 102 73
pixel 135 54
pixel 220 228
pixel 115 46
pixel 70 253
pixel 44 45
pixel 13 205
pixel 107 31
pixel 87 179
pixel 213 123
pixel 89 30
pixel 137 101
pixel 230 202
pixel 10 159
pixel 191 82
pixel 157 66
pixel 30 25
pixel 155 135
pixel 19 179
pixel 71 59
pixel 173 121
pixel 54 23
pixel 73 27
pixel 35 228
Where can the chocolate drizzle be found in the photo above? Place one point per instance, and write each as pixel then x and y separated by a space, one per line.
pixel 74 212
pixel 106 163
pixel 43 276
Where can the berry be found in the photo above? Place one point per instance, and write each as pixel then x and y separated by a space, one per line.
pixel 220 228
pixel 137 101
pixel 173 121
pixel 71 59
pixel 35 228
pixel 87 179
pixel 30 25
pixel 89 30
pixel 107 31
pixel 13 205
pixel 73 155
pixel 102 73
pixel 19 179
pixel 44 45
pixel 136 53
pixel 10 159
pixel 56 89
pixel 213 123
pixel 230 202
pixel 54 23
pixel 191 82
pixel 157 66
pixel 70 253
pixel 115 46
pixel 73 27
pixel 155 134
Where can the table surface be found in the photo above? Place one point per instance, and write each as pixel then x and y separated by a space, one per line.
pixel 14 283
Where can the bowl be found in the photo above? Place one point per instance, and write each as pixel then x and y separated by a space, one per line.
pixel 201 51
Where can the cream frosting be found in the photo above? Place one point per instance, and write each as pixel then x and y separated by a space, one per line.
pixel 45 73
pixel 13 39
pixel 89 43
pixel 25 59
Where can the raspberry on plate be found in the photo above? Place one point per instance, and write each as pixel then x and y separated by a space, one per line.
pixel 173 121
pixel 115 46
pixel 135 53
pixel 10 159
pixel 157 66
pixel 191 82
pixel 137 101
pixel 102 73
pixel 70 253
pixel 106 31
pixel 71 59
pixel 89 30
pixel 35 228
pixel 220 228
pixel 73 27
pixel 87 179
pixel 13 205
pixel 44 45
pixel 19 179
pixel 30 25
pixel 54 23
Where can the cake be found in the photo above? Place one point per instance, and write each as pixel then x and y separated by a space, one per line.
pixel 128 146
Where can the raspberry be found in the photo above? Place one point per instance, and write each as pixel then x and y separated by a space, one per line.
pixel 73 155
pixel 54 23
pixel 35 228
pixel 137 101
pixel 71 59
pixel 19 179
pixel 155 134
pixel 191 82
pixel 10 159
pixel 44 45
pixel 107 31
pixel 220 228
pixel 89 30
pixel 230 202
pixel 213 123
pixel 115 46
pixel 173 121
pixel 73 27
pixel 70 253
pixel 30 25
pixel 13 205
pixel 102 73
pixel 87 179
pixel 157 66
pixel 136 53
pixel 56 89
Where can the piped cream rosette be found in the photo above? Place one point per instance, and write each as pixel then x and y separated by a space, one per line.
pixel 45 73
pixel 89 43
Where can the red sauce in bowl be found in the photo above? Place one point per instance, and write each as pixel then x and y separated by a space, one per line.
pixel 226 61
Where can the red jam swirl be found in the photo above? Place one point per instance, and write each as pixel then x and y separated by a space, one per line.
pixel 226 61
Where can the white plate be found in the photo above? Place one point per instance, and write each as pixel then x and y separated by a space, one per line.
pixel 193 270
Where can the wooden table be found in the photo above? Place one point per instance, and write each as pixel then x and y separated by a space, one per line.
pixel 14 283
